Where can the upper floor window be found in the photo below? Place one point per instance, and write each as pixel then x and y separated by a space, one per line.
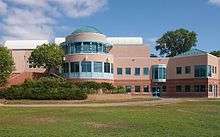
pixel 137 71
pixel 128 71
pixel 178 70
pixel 119 71
pixel 107 67
pixel 146 71
pixel 74 67
pixel 97 66
pixel 86 66
pixel 203 71
pixel 187 69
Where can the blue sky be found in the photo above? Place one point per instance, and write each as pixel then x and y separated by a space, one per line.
pixel 46 19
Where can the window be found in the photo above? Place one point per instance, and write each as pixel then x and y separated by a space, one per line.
pixel 159 72
pixel 128 88
pixel 112 68
pixel 187 88
pixel 86 66
pixel 66 67
pixel 107 67
pixel 99 47
pixel 137 88
pixel 196 88
pixel 146 71
pixel 137 71
pixel 128 71
pixel 86 47
pixel 119 71
pixel 97 66
pixel 164 88
pixel 146 88
pixel 179 88
pixel 74 66
pixel 78 47
pixel 202 88
pixel 203 71
pixel 210 88
pixel 215 70
pixel 187 70
pixel 179 70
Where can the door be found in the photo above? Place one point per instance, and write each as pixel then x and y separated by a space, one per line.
pixel 156 91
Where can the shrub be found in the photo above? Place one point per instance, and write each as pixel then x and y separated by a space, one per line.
pixel 46 88
pixel 119 90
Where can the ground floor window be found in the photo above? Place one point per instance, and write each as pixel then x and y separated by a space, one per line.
pixel 74 66
pixel 97 66
pixel 86 66
pixel 107 67
pixel 187 88
pixel 178 88
pixel 137 88
pixel 146 88
pixel 128 88
pixel 66 67
pixel 210 88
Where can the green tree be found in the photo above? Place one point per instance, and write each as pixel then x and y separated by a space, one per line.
pixel 6 65
pixel 49 56
pixel 176 42
pixel 215 53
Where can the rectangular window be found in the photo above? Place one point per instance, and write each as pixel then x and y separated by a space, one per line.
pixel 119 71
pixel 128 71
pixel 86 66
pixel 66 67
pixel 215 70
pixel 178 88
pixel 179 70
pixel 78 46
pixel 146 88
pixel 137 88
pixel 187 88
pixel 203 71
pixel 128 88
pixel 137 71
pixel 187 69
pixel 202 88
pixel 146 71
pixel 99 47
pixel 107 67
pixel 74 66
pixel 196 88
pixel 98 67
pixel 210 88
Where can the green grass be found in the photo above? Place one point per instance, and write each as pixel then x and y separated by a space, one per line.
pixel 189 119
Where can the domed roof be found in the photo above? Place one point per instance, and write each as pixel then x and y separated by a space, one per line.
pixel 86 29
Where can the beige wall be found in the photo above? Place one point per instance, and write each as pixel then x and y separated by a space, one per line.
pixel 182 62
pixel 131 56
pixel 87 37
pixel 213 60
pixel 21 61
pixel 90 57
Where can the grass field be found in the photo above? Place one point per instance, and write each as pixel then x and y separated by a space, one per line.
pixel 189 119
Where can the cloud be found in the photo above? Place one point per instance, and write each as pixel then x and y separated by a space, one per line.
pixel 215 2
pixel 31 19
pixel 3 7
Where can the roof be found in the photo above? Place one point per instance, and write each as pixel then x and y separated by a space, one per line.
pixel 192 52
pixel 24 44
pixel 125 40
pixel 86 29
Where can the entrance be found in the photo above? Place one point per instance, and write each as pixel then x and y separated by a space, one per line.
pixel 156 91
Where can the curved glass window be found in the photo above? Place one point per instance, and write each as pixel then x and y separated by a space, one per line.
pixel 159 72
pixel 107 67
pixel 86 66
pixel 85 47
pixel 97 66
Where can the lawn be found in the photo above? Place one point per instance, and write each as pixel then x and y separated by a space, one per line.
pixel 189 119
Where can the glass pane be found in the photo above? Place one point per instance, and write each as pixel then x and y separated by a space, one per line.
pixel 97 66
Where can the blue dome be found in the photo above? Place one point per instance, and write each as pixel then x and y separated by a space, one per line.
pixel 86 29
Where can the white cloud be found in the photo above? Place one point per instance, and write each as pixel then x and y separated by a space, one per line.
pixel 215 2
pixel 3 7
pixel 31 19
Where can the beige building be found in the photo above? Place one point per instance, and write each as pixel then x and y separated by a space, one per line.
pixel 125 61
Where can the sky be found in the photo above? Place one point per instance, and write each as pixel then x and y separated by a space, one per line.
pixel 47 19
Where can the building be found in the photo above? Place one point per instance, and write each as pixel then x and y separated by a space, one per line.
pixel 126 61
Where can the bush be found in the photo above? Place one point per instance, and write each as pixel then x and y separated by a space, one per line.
pixel 119 90
pixel 46 88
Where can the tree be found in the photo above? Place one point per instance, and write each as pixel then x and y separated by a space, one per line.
pixel 215 53
pixel 176 42
pixel 6 65
pixel 49 56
